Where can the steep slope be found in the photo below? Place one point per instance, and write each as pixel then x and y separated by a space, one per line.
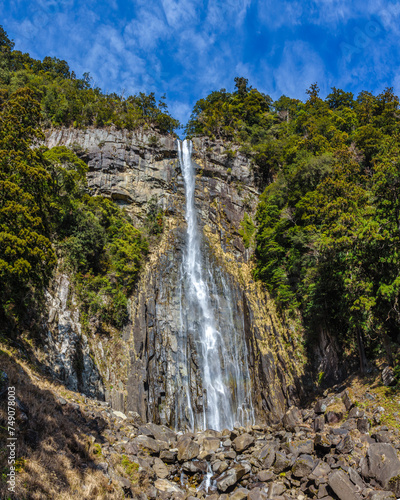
pixel 139 365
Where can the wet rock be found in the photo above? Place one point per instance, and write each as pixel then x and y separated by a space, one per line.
pixel 187 448
pixel 381 463
pixel 230 477
pixel 303 466
pixel 220 466
pixel 342 486
pixel 243 442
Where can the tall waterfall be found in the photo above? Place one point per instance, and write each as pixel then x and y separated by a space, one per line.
pixel 217 331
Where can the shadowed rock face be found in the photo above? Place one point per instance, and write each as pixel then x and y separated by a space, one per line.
pixel 145 374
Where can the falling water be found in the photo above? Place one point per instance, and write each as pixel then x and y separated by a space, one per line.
pixel 217 333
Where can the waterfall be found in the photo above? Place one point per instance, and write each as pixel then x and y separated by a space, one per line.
pixel 216 332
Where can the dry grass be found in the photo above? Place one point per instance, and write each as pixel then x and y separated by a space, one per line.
pixel 57 459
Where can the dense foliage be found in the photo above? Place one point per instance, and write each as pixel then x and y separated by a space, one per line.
pixel 46 212
pixel 328 236
pixel 71 101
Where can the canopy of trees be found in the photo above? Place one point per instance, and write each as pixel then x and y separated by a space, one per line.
pixel 71 101
pixel 328 235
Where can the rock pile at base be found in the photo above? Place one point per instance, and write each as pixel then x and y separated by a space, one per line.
pixel 314 453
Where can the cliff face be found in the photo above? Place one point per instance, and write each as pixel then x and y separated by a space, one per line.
pixel 140 368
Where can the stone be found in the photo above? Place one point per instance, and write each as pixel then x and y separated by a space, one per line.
pixel 147 444
pixel 322 470
pixel 119 414
pixel 265 475
pixel 160 468
pixel 346 445
pixel 242 442
pixel 168 456
pixel 381 463
pixel 187 448
pixel 220 466
pixel 195 466
pixel 382 437
pixel 303 466
pixel 363 425
pixel 297 448
pixel 340 483
pixel 161 433
pixel 230 477
pixel 239 494
pixel 322 442
pixel 276 489
pixel 355 412
pixel 210 444
pixel 388 376
pixel 267 456
pixel 291 419
pixel 347 400
pixel 333 417
pixel 320 406
pixel 257 494
pixel 382 495
pixel 282 462
pixel 166 486
pixel 319 423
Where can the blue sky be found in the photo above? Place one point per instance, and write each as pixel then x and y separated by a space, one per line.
pixel 188 48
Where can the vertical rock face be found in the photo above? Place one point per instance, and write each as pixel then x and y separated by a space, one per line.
pixel 150 368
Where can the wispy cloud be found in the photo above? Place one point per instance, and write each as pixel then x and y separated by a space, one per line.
pixel 187 48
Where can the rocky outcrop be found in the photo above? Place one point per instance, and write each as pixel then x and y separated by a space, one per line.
pixel 284 460
pixel 142 368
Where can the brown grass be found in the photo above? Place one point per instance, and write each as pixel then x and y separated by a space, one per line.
pixel 60 463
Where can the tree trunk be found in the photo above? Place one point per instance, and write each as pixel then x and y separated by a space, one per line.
pixel 361 352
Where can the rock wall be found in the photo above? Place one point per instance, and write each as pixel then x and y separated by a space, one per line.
pixel 139 367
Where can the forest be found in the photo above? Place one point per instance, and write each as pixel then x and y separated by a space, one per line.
pixel 328 221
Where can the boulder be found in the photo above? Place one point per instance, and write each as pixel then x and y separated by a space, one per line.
pixel 166 486
pixel 346 445
pixel 340 483
pixel 363 425
pixel 160 469
pixel 265 475
pixel 319 423
pixel 320 406
pixel 381 463
pixel 282 462
pixel 303 466
pixel 243 442
pixel 239 494
pixel 230 477
pixel 267 456
pixel 291 419
pixel 187 448
pixel 388 376
pixel 347 400
pixel 300 447
pixel 147 444
pixel 210 444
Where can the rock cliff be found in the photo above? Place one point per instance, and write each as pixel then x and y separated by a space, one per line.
pixel 139 367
